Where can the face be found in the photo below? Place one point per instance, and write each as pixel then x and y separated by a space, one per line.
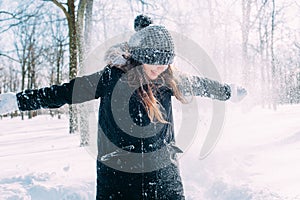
pixel 153 71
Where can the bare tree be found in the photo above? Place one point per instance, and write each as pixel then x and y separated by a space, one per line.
pixel 79 27
pixel 69 10
pixel 26 46
pixel 275 71
pixel 84 20
pixel 55 54
pixel 270 71
pixel 21 47
pixel 245 27
pixel 29 52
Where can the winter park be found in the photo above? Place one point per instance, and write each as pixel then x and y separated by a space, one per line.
pixel 144 99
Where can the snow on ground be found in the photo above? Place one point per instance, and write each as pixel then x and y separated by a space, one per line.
pixel 40 161
pixel 257 157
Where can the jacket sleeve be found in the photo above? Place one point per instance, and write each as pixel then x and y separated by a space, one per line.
pixel 78 90
pixel 191 85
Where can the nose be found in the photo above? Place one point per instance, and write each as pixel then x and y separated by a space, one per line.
pixel 161 68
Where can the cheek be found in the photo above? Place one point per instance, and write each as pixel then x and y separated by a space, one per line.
pixel 163 68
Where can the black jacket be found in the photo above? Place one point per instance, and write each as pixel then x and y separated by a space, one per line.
pixel 120 131
pixel 127 140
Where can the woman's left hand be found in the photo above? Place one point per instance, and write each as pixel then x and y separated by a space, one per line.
pixel 238 93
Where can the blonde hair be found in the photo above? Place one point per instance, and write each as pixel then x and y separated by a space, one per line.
pixel 136 76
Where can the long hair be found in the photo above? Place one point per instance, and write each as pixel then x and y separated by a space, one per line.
pixel 137 78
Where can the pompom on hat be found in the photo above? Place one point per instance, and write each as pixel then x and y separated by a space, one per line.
pixel 142 21
pixel 151 44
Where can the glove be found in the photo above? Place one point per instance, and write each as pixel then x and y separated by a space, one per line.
pixel 237 93
pixel 8 103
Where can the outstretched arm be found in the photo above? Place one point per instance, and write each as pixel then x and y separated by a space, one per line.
pixel 191 85
pixel 78 90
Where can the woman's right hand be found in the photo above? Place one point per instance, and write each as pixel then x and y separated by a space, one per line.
pixel 8 103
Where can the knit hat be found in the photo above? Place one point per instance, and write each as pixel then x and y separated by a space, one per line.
pixel 152 45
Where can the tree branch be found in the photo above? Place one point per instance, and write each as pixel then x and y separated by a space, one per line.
pixel 11 58
pixel 60 5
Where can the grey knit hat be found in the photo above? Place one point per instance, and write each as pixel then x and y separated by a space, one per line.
pixel 152 45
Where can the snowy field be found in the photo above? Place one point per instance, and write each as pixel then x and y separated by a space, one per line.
pixel 257 157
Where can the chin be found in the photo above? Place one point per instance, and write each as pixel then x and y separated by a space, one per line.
pixel 153 77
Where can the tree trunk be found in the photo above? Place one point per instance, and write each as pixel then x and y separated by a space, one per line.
pixel 73 121
pixel 264 89
pixel 84 20
pixel 23 66
pixel 275 78
pixel 76 43
pixel 82 108
pixel 59 64
pixel 246 9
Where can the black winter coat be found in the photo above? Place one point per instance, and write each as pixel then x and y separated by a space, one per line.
pixel 136 157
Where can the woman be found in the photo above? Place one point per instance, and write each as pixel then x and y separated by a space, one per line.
pixel 136 146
